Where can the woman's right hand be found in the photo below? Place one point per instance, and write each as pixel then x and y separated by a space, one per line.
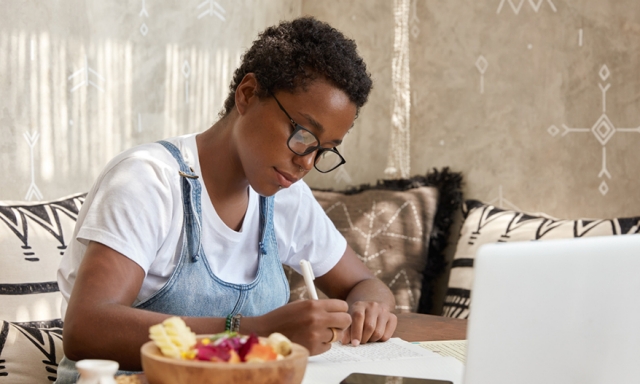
pixel 307 322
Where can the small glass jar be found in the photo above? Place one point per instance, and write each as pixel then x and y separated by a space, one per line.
pixel 94 371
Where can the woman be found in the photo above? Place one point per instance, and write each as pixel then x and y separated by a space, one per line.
pixel 199 225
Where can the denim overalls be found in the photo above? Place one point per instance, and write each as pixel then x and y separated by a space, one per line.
pixel 193 289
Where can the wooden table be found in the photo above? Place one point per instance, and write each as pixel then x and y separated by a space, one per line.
pixel 419 327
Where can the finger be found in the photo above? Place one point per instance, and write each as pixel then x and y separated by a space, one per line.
pixel 335 333
pixel 390 328
pixel 317 349
pixel 357 321
pixel 379 328
pixel 368 326
pixel 334 305
pixel 346 336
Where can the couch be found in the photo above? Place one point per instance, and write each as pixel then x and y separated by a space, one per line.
pixel 399 228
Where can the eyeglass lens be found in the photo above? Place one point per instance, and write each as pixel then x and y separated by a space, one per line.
pixel 327 161
pixel 303 142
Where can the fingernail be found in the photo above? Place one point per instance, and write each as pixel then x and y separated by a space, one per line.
pixel 355 343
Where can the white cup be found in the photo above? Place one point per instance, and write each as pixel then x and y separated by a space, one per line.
pixel 97 371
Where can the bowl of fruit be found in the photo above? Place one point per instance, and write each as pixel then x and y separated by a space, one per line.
pixel 175 355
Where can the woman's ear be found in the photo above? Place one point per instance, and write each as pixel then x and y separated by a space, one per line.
pixel 246 92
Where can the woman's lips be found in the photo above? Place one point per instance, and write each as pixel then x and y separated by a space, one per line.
pixel 285 179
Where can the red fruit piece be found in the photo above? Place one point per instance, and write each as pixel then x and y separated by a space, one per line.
pixel 213 353
pixel 246 347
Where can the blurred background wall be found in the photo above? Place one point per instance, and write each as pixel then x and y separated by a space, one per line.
pixel 82 81
pixel 534 101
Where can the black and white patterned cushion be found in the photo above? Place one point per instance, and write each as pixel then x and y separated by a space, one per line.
pixel 29 354
pixel 488 224
pixel 33 238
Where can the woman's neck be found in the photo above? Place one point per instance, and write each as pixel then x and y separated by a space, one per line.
pixel 222 172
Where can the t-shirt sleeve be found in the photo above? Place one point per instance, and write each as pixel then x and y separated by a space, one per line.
pixel 132 208
pixel 304 231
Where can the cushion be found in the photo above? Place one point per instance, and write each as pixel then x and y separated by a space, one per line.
pixel 29 354
pixel 33 238
pixel 484 223
pixel 399 229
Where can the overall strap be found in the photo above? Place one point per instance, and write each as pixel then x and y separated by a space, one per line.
pixel 191 191
pixel 266 218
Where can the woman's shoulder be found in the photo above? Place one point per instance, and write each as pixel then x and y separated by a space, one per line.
pixel 152 155
pixel 146 167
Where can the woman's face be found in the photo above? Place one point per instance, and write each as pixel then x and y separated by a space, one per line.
pixel 264 129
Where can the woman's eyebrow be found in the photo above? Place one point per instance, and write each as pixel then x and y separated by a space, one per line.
pixel 314 123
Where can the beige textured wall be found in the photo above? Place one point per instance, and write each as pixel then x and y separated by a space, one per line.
pixel 161 68
pixel 81 81
pixel 544 70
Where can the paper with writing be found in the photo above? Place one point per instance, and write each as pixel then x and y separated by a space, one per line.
pixel 391 350
pixel 394 357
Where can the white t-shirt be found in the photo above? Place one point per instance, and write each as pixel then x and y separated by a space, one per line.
pixel 135 207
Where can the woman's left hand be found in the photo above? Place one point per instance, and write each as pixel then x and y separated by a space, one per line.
pixel 370 321
pixel 371 302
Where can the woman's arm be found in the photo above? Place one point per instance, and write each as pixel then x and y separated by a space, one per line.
pixel 371 303
pixel 100 322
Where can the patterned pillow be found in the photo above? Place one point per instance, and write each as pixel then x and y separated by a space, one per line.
pixel 487 224
pixel 399 229
pixel 29 354
pixel 33 238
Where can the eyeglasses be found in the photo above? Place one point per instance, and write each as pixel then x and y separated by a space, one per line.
pixel 302 142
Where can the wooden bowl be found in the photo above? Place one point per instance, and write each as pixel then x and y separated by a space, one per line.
pixel 160 369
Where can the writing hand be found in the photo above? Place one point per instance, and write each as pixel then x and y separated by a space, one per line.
pixel 309 322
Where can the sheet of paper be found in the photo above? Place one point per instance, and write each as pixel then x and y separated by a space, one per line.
pixel 453 348
pixel 394 357
pixel 393 349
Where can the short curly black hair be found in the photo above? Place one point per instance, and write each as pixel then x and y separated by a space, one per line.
pixel 294 53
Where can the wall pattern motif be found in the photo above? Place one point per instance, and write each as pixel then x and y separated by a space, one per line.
pixel 482 64
pixel 33 191
pixel 143 13
pixel 86 76
pixel 535 5
pixel 603 129
pixel 211 8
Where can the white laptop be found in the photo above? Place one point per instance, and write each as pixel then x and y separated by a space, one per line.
pixel 556 311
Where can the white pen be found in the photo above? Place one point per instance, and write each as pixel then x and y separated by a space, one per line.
pixel 307 273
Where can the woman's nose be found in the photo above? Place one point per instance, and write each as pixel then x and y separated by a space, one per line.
pixel 307 161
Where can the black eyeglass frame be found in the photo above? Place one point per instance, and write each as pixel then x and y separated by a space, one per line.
pixel 297 127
